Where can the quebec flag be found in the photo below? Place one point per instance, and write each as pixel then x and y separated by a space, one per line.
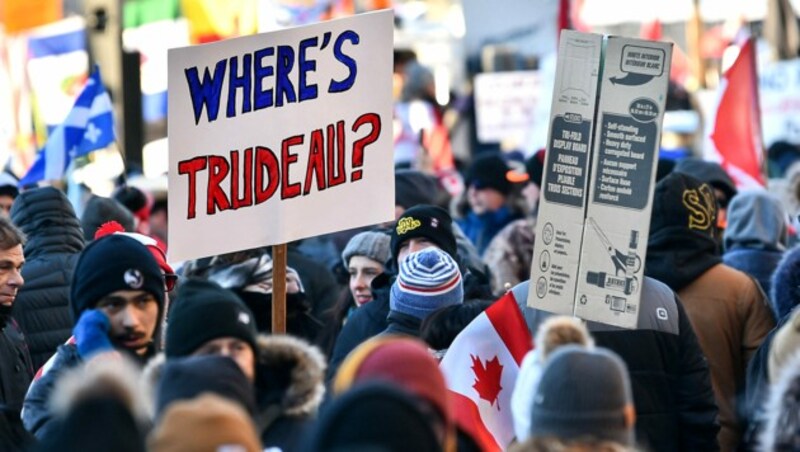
pixel 89 126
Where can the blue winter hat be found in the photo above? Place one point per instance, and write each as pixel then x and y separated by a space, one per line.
pixel 427 281
pixel 786 284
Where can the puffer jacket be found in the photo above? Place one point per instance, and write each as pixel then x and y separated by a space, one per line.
pixel 54 241
pixel 672 393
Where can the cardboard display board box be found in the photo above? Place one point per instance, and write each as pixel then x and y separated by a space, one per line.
pixel 593 240
pixel 280 136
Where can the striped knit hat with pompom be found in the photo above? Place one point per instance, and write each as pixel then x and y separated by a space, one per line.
pixel 427 281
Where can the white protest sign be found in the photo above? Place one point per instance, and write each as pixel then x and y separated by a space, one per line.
pixel 280 136
pixel 779 98
pixel 506 104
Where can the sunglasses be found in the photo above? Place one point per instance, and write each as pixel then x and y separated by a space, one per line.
pixel 170 280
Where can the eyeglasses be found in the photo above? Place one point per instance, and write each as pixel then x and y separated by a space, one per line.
pixel 170 279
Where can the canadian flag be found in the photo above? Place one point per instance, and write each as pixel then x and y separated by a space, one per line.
pixel 736 135
pixel 481 367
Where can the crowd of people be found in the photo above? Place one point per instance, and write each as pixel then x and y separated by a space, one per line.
pixel 108 346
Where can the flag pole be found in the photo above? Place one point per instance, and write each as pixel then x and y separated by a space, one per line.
pixel 757 95
pixel 279 289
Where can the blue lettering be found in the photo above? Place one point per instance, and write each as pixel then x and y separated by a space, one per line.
pixel 237 82
pixel 337 86
pixel 306 91
pixel 282 83
pixel 206 93
pixel 262 98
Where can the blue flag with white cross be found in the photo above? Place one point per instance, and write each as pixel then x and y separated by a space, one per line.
pixel 88 126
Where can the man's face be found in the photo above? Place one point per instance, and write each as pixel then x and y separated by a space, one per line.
pixel 133 315
pixel 482 200
pixel 5 204
pixel 235 349
pixel 413 245
pixel 11 262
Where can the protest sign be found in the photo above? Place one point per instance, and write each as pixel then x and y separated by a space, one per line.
pixel 559 229
pixel 628 133
pixel 592 266
pixel 779 98
pixel 280 136
pixel 506 105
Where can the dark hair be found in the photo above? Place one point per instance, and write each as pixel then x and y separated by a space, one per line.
pixel 130 197
pixel 439 329
pixel 10 235
pixel 333 320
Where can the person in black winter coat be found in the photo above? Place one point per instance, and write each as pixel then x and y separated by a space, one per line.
pixel 286 373
pixel 15 362
pixel 675 405
pixel 54 242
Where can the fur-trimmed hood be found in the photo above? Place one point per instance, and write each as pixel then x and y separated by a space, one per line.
pixel 104 376
pixel 289 376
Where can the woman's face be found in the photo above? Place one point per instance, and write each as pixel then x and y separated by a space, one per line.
pixel 362 271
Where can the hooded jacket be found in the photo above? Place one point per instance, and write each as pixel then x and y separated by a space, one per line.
pixel 727 308
pixel 674 402
pixel 54 241
pixel 756 235
pixel 289 388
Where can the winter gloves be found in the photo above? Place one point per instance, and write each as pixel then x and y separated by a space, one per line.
pixel 91 333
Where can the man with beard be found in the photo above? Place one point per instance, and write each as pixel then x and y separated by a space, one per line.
pixel 117 295
pixel 16 369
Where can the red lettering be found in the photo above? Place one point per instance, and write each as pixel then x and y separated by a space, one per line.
pixel 361 144
pixel 218 169
pixel 289 190
pixel 266 162
pixel 191 167
pixel 316 162
pixel 336 175
pixel 247 198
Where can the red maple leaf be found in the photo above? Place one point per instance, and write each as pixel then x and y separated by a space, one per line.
pixel 487 379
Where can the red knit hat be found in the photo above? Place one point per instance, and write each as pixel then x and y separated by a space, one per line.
pixel 405 362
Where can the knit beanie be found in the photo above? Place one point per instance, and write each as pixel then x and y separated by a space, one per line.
pixel 583 392
pixel 371 244
pixel 430 222
pixel 110 264
pixel 489 171
pixel 187 378
pixel 206 424
pixel 135 200
pixel 413 187
pixel 376 360
pixel 373 416
pixel 204 311
pixel 101 210
pixel 427 281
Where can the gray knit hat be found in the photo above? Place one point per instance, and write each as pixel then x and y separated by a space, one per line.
pixel 583 392
pixel 371 244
